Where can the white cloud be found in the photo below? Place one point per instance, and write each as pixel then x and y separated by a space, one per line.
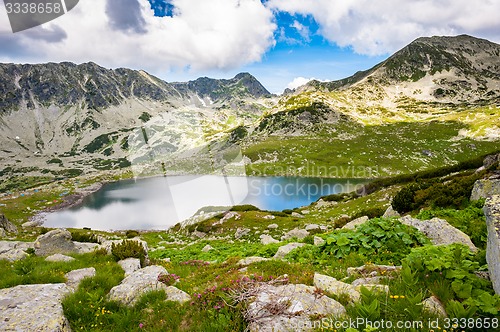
pixel 216 34
pixel 302 30
pixel 299 81
pixel 383 26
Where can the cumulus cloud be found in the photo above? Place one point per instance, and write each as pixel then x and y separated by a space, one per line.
pixel 217 34
pixel 383 26
pixel 299 81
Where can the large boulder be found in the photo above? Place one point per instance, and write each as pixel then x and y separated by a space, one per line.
pixel 439 231
pixel 59 258
pixel 289 308
pixel 295 233
pixel 176 295
pixel 73 278
pixel 251 260
pixel 130 265
pixel 485 188
pixel 33 308
pixel 14 250
pixel 267 239
pixel 334 286
pixel 7 225
pixel 284 250
pixel 391 213
pixel 492 212
pixel 57 241
pixel 138 283
pixel 355 223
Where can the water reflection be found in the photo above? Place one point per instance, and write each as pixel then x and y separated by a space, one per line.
pixel 158 203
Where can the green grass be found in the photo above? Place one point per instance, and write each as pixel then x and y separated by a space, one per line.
pixel 363 152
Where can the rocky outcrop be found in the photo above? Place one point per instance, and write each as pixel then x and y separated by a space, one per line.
pixel 295 233
pixel 439 231
pixel 267 239
pixel 289 308
pixel 57 241
pixel 33 308
pixel 130 265
pixel 137 284
pixel 485 188
pixel 286 249
pixel 59 258
pixel 251 260
pixel 14 250
pixel 433 306
pixel 372 270
pixel 73 278
pixel 492 213
pixel 240 232
pixel 334 286
pixel 176 295
pixel 6 225
pixel 356 222
pixel 318 241
pixel 391 213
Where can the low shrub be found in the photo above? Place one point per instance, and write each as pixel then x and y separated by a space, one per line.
pixel 84 237
pixel 128 249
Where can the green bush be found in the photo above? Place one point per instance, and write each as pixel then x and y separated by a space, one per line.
pixel 245 207
pixel 131 233
pixel 453 267
pixel 385 240
pixel 84 237
pixel 127 249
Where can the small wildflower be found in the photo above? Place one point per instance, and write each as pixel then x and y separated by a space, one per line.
pixel 141 325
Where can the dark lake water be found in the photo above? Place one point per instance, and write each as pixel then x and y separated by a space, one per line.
pixel 158 203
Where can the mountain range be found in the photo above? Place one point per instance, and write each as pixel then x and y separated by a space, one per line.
pixel 438 98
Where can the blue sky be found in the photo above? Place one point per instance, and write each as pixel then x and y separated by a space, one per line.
pixel 278 41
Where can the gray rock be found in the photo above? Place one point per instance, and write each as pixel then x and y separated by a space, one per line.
pixel 334 286
pixel 33 308
pixel 312 227
pixel 485 188
pixel 85 247
pixel 372 270
pixel 14 255
pixel 356 222
pixel 368 281
pixel 30 224
pixel 130 265
pixel 439 231
pixel 267 239
pixel 295 233
pixel 297 215
pixel 289 308
pixel 391 213
pixel 176 295
pixel 286 249
pixel 57 241
pixel 14 250
pixel 240 232
pixel 73 278
pixel 207 248
pixel 6 225
pixel 491 160
pixel 269 217
pixel 59 258
pixel 251 260
pixel 199 234
pixel 318 241
pixel 305 211
pixel 272 226
pixel 492 213
pixel 2 232
pixel 138 283
pixel 434 306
